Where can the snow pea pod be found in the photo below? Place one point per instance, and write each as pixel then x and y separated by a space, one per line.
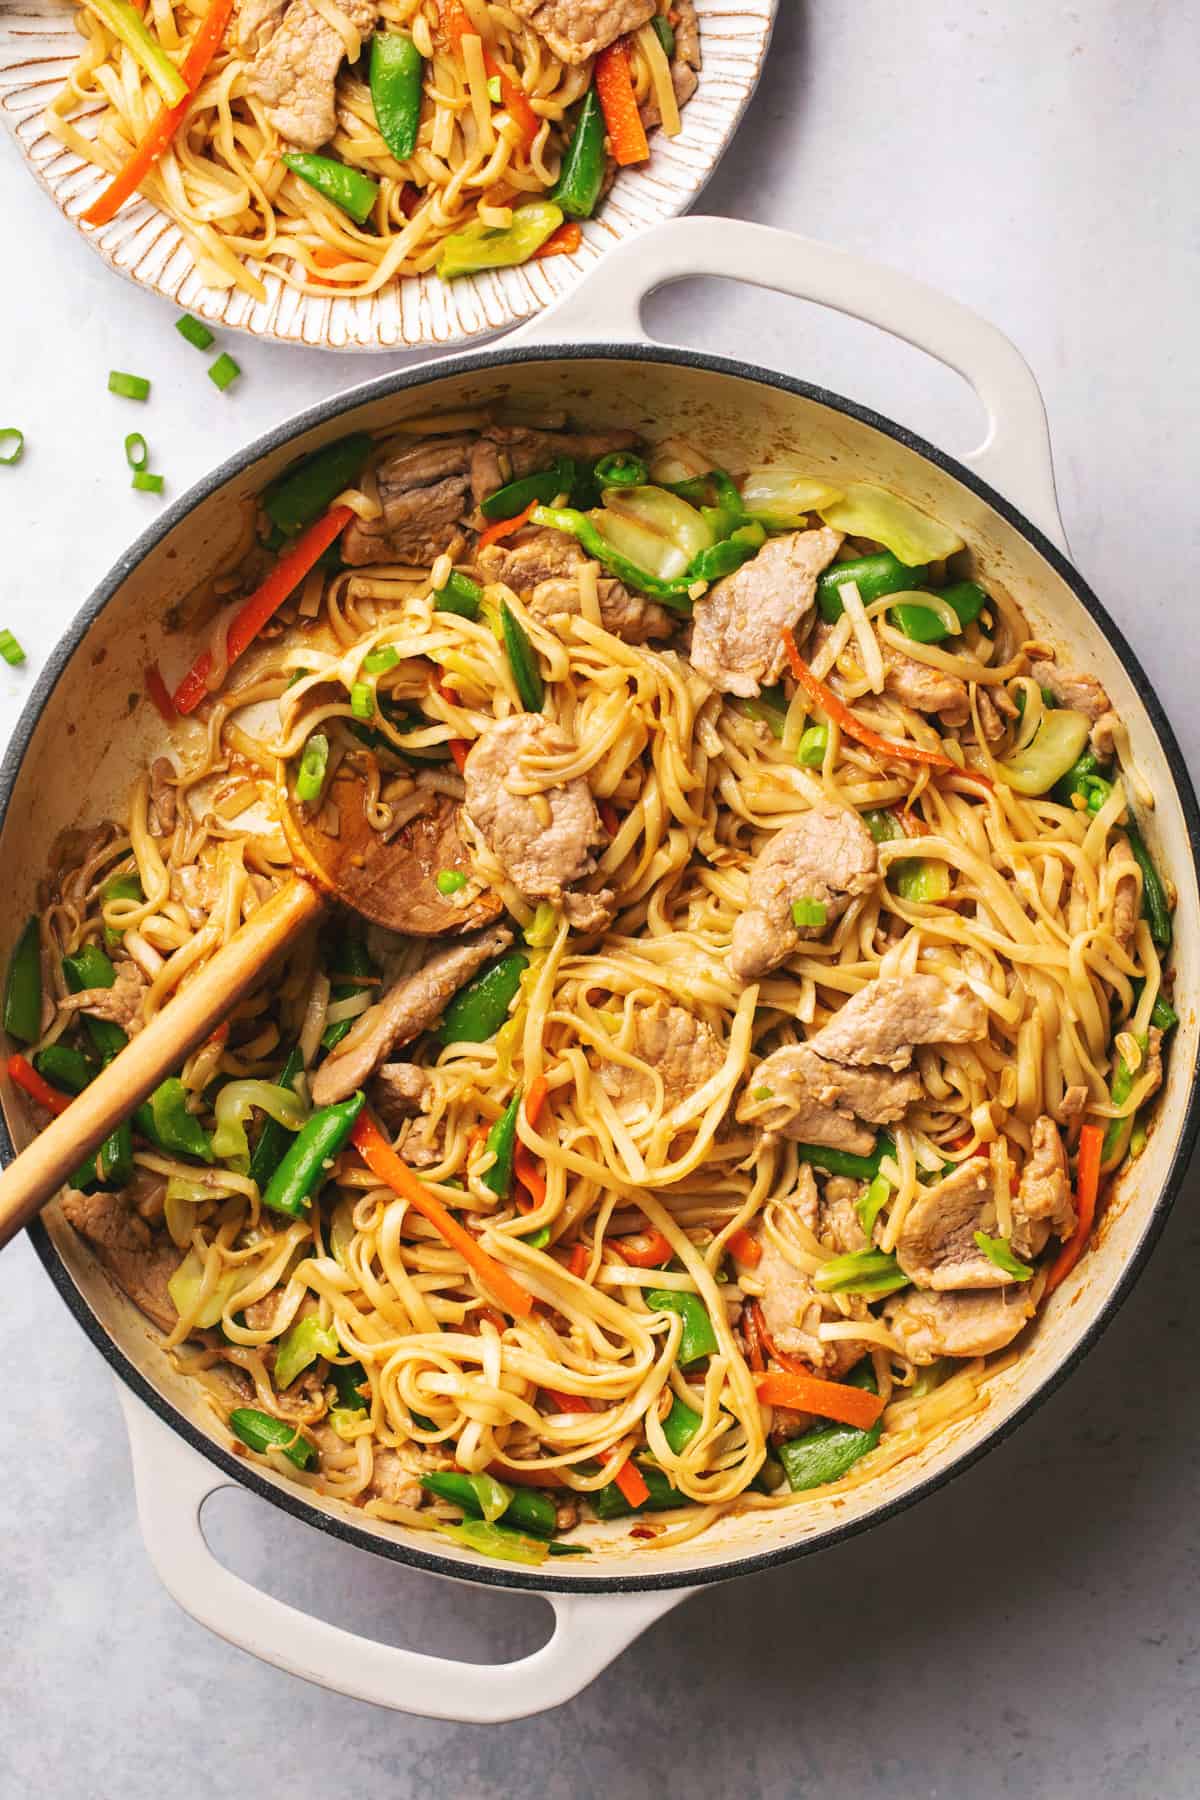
pixel 502 1142
pixel 354 969
pixel 460 595
pixel 543 486
pixel 164 1119
pixel 307 1161
pixel 396 71
pixel 64 1068
pixel 610 1503
pixel 89 967
pixel 262 1432
pixel 525 1509
pixel 478 1010
pixel 582 173
pixel 1155 910
pixel 873 576
pixel 522 660
pixel 119 887
pixel 308 489
pixel 826 1452
pixel 347 188
pixel 23 989
pixel 924 626
pixel 698 1337
pixel 845 1162
pixel 274 1138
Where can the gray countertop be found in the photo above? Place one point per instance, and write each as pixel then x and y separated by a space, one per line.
pixel 1035 1627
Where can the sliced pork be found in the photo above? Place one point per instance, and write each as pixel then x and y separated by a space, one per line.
pixel 798 1094
pixel 628 616
pixel 794 1311
pixel 121 1003
pixel 681 1048
pixel 885 1020
pixel 579 29
pixel 738 626
pixel 139 1263
pixel 936 1247
pixel 504 453
pixel 295 75
pixel 1123 879
pixel 408 1008
pixel 1043 1201
pixel 398 1093
pixel 925 689
pixel 827 856
pixel 543 841
pixel 424 492
pixel 929 1326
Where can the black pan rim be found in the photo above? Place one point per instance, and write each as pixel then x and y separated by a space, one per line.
pixel 382 387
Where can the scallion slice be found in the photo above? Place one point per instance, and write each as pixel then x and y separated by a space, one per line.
pixel 224 371
pixel 137 450
pixel 196 334
pixel 10 650
pixel 145 483
pixel 129 387
pixel 384 656
pixel 314 764
pixel 808 912
pixel 12 444
pixel 362 700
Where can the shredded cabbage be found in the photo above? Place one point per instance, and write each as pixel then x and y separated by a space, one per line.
pixel 872 512
pixel 185 1284
pixel 655 529
pixel 783 496
pixel 1058 742
pixel 237 1100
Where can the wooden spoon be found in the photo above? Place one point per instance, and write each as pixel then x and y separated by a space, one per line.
pixel 338 858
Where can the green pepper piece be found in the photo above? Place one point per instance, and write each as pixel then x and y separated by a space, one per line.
pixel 460 595
pixel 826 1452
pixel 23 989
pixel 582 174
pixel 478 246
pixel 722 559
pixel 502 1141
pixel 396 72
pixel 544 485
pixel 64 1068
pixel 873 576
pixel 845 1162
pixel 924 626
pixel 577 525
pixel 347 188
pixel 119 887
pixel 478 1010
pixel 527 1509
pixel 352 970
pixel 262 1432
pixel 306 1163
pixel 164 1119
pixel 681 1424
pixel 307 489
pixel 274 1138
pixel 349 1379
pixel 1155 910
pixel 698 1338
pixel 522 660
pixel 89 967
pixel 610 1503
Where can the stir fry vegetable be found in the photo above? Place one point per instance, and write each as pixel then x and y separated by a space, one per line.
pixel 478 1010
pixel 582 174
pixel 309 1158
pixel 23 987
pixel 873 576
pixel 828 1452
pixel 478 246
pixel 303 492
pixel 698 1337
pixel 343 186
pixel 397 71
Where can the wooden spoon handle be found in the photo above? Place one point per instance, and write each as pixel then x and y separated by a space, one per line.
pixel 153 1054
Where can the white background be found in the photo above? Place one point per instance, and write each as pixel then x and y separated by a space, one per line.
pixel 1033 1629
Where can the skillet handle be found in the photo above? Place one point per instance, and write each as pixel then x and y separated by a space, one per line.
pixel 606 306
pixel 172 1482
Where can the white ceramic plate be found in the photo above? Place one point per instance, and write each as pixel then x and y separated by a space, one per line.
pixel 38 44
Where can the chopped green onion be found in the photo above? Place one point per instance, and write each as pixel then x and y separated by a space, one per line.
pixel 126 23
pixel 808 912
pixel 196 334
pixel 384 656
pixel 137 451
pixel 449 881
pixel 147 483
pixel 224 371
pixel 664 33
pixel 999 1251
pixel 362 700
pixel 537 1240
pixel 493 88
pixel 313 766
pixel 129 387
pixel 1137 1137
pixel 810 752
pixel 884 827
pixel 10 650
pixel 869 1205
pixel 761 1093
pixel 460 595
pixel 10 433
pixel 542 929
pixel 262 1432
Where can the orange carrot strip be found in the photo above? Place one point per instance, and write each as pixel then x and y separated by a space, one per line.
pixel 1087 1187
pixel 26 1076
pixel 828 1399
pixel 631 1483
pixel 577 1262
pixel 265 602
pixel 502 528
pixel 618 103
pixel 382 1160
pixel 166 121
pixel 610 818
pixel 563 242
pixel 841 715
pixel 457 25
pixel 458 748
pixel 156 687
pixel 535 1099
pixel 528 1172
pixel 644 1249
pixel 744 1248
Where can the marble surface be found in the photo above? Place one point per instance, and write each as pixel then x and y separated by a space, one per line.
pixel 1033 1629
